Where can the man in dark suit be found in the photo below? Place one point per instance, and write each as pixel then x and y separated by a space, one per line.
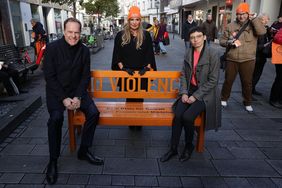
pixel 67 74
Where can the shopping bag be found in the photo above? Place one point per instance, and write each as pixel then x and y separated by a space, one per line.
pixel 166 39
pixel 276 53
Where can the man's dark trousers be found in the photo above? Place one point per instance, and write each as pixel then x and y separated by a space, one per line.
pixel 55 124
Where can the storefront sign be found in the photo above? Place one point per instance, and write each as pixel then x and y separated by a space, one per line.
pixel 175 3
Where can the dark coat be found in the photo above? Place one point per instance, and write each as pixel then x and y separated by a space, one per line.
pixel 67 72
pixel 210 30
pixel 132 58
pixel 186 29
pixel 207 77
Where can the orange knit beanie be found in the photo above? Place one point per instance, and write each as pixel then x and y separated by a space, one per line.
pixel 134 11
pixel 243 7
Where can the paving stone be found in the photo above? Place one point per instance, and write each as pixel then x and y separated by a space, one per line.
pixel 220 153
pixel 75 166
pixel 100 179
pixel 103 142
pixel 277 164
pixel 123 180
pixel 24 186
pixel 254 168
pixel 135 152
pixel 28 164
pixel 214 182
pixel 146 181
pixel 260 135
pixel 35 132
pixel 246 144
pixel 277 181
pixel 38 141
pixel 255 124
pixel 20 140
pixel 222 135
pixel 268 144
pixel 64 186
pixel 40 150
pixel 131 166
pixel 2 185
pixel 187 168
pixel 61 181
pixel 191 182
pixel 155 152
pixel 169 181
pixel 33 179
pixel 237 182
pixel 110 151
pixel 76 179
pixel 272 153
pixel 18 149
pixel 11 177
pixel 261 183
pixel 94 186
pixel 247 153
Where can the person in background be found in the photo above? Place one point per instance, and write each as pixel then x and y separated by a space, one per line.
pixel 198 93
pixel 155 29
pixel 67 75
pixel 39 35
pixel 241 56
pixel 190 23
pixel 261 57
pixel 276 25
pixel 161 33
pixel 133 50
pixel 210 29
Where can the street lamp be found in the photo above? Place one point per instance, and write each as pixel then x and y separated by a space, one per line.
pixel 157 5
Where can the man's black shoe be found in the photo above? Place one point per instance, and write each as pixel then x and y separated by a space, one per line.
pixel 87 156
pixel 168 155
pixel 276 104
pixel 52 172
pixel 255 92
pixel 186 154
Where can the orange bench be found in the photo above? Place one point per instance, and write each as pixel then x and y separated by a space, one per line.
pixel 162 85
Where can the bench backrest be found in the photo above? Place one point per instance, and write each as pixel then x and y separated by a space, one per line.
pixel 9 52
pixel 161 84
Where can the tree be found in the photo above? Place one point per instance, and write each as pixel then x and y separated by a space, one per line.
pixel 68 2
pixel 101 7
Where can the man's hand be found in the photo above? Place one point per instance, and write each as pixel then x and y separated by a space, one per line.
pixel 68 103
pixel 237 43
pixel 76 102
pixel 191 99
pixel 128 70
pixel 144 70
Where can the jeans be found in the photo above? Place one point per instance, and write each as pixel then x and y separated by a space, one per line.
pixel 162 47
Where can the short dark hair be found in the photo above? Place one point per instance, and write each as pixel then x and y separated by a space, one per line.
pixel 72 20
pixel 197 29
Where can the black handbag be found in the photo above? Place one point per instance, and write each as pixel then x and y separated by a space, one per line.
pixel 267 50
pixel 223 61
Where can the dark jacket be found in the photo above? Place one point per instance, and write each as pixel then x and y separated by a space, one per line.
pixel 67 72
pixel 132 58
pixel 210 30
pixel 207 75
pixel 186 29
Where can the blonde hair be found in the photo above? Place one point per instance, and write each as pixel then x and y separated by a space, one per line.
pixel 126 36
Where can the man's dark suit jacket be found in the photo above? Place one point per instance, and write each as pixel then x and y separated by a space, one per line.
pixel 67 73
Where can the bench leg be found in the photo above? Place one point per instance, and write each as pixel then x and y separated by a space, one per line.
pixel 200 139
pixel 72 140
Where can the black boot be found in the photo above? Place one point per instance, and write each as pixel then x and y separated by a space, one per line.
pixel 167 156
pixel 85 154
pixel 187 152
pixel 52 172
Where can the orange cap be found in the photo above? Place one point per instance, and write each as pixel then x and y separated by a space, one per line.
pixel 134 11
pixel 242 7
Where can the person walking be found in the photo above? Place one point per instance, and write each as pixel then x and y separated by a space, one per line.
pixel 241 55
pixel 67 75
pixel 210 29
pixel 133 50
pixel 198 93
pixel 261 57
pixel 190 23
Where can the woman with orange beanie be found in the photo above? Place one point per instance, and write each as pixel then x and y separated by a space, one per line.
pixel 133 49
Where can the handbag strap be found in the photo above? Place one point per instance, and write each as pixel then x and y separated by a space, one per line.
pixel 238 34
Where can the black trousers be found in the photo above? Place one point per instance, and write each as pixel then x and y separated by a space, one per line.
pixel 5 75
pixel 185 115
pixel 276 90
pixel 260 62
pixel 55 124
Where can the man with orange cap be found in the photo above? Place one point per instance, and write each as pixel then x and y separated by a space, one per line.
pixel 241 54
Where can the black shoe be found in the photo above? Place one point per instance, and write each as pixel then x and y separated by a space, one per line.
pixel 167 156
pixel 255 92
pixel 276 104
pixel 186 154
pixel 52 172
pixel 87 156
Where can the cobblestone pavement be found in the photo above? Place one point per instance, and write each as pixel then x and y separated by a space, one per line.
pixel 245 152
